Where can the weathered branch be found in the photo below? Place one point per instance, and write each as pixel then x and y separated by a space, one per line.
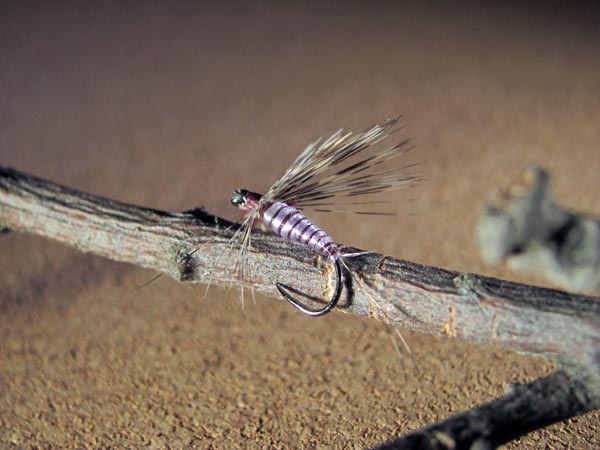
pixel 471 307
pixel 478 309
pixel 524 408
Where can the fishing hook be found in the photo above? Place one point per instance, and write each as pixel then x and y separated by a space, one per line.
pixel 310 311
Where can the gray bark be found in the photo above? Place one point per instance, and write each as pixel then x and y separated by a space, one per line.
pixel 192 247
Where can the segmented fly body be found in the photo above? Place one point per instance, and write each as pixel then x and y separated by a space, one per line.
pixel 290 223
pixel 345 170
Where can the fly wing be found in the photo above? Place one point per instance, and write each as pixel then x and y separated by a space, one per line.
pixel 345 172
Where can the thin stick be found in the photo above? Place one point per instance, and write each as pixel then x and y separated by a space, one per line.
pixel 470 307
pixel 524 408
pixel 550 323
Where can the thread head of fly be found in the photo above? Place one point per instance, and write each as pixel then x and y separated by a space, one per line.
pixel 245 200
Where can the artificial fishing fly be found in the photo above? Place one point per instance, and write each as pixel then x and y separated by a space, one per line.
pixel 346 169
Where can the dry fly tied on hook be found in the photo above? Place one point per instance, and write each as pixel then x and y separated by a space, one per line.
pixel 346 169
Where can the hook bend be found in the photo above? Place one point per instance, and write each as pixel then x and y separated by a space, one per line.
pixel 321 311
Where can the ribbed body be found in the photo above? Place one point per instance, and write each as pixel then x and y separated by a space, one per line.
pixel 290 223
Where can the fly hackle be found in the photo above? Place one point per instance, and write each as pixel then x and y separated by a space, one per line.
pixel 283 289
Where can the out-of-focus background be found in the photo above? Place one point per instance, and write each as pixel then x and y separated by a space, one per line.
pixel 171 106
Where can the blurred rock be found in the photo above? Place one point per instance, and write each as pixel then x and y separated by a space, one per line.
pixel 522 227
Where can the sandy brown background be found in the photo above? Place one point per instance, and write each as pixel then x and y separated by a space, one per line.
pixel 171 107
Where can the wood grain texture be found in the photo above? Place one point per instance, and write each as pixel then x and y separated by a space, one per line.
pixel 471 307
